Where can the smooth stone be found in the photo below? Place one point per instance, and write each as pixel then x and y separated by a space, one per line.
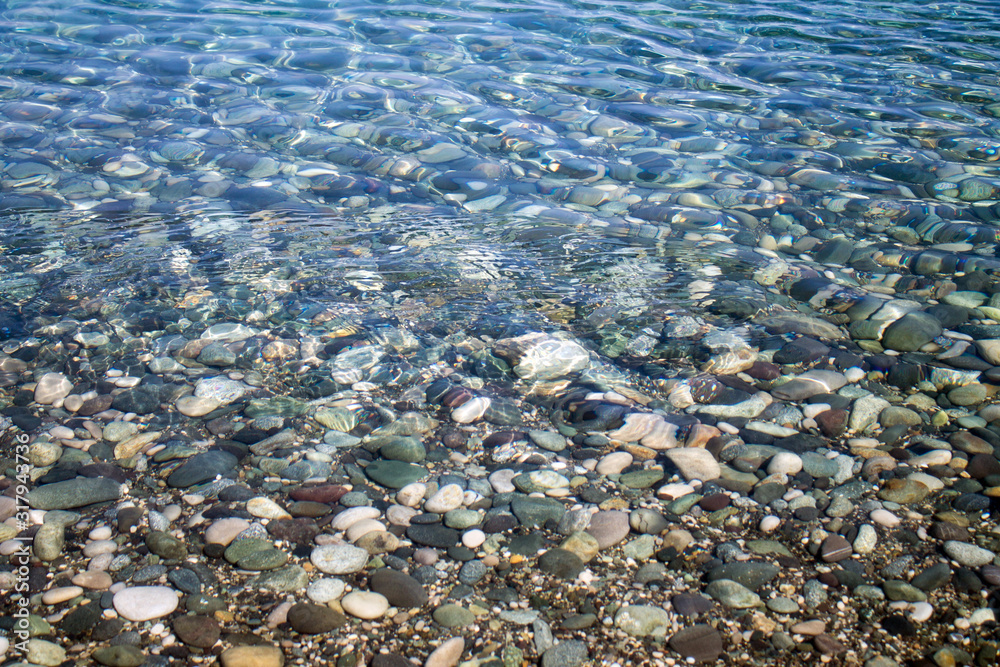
pixel 121 655
pixel 52 387
pixel 732 594
pixel 567 653
pixel 195 406
pixel 548 440
pixel 447 654
pixel 453 616
pixel 400 589
pixel 447 498
pixel 394 474
pixel 338 559
pixel 252 656
pixel 42 652
pixel 265 508
pixel 49 542
pixel 609 528
pixel 365 604
pixel 695 463
pixel 614 463
pixel 642 620
pixel 835 548
pixel 911 332
pixel 145 603
pixel 201 468
pixel 313 619
pixel 224 531
pixel 750 574
pixel 967 554
pixel 561 563
pixel 73 493
pixel 903 491
pixel 199 631
pixel 700 643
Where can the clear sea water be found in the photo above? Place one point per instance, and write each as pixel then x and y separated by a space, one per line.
pixel 571 164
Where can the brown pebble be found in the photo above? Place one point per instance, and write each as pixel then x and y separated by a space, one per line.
pixel 324 493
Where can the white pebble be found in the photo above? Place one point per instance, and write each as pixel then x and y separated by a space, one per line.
pixel 921 611
pixel 473 538
pixel 885 518
pixel 770 523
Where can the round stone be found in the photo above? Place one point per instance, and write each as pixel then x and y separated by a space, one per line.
pixel 365 604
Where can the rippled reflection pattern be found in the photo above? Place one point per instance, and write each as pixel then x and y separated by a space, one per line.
pixel 510 142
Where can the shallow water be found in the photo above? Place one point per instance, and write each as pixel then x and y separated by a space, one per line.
pixel 543 159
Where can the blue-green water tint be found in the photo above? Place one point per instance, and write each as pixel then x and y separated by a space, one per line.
pixel 520 156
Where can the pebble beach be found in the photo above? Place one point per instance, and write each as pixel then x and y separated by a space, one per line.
pixel 374 335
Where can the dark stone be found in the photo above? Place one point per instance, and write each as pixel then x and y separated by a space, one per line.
pixel 400 589
pixel 561 563
pixel 80 620
pixel 199 631
pixel 202 468
pixel 701 643
pixel 691 604
pixel 801 351
pixel 314 619
pixel 981 466
pixel 932 578
pixel 945 530
pixel 433 535
pixel 324 493
pixel 752 575
pixel 142 400
pixel 294 531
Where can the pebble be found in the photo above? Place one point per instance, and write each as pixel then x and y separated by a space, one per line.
pixel 145 603
pixel 365 604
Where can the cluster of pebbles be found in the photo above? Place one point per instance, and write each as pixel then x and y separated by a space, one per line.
pixel 713 383
pixel 218 476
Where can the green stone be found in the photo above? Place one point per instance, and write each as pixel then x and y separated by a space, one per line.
pixel 119 656
pixel 394 474
pixel 268 559
pixel 166 546
pixel 641 479
pixel 288 579
pixel 399 448
pixel 453 616
pixel 241 549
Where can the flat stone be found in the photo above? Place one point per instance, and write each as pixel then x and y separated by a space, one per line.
pixel 609 528
pixel 835 548
pixel 394 474
pixel 200 631
pixel 701 643
pixel 144 603
pixel 695 463
pixel 642 620
pixel 72 493
pixel 453 616
pixel 400 589
pixel 313 619
pixel 201 468
pixel 338 558
pixel 967 554
pixel 121 655
pixel 561 563
pixel 732 594
pixel 52 387
pixel 252 656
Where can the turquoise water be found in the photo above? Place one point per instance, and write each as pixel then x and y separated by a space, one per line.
pixel 542 158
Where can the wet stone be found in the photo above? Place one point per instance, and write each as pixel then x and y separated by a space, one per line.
pixel 312 619
pixel 701 643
